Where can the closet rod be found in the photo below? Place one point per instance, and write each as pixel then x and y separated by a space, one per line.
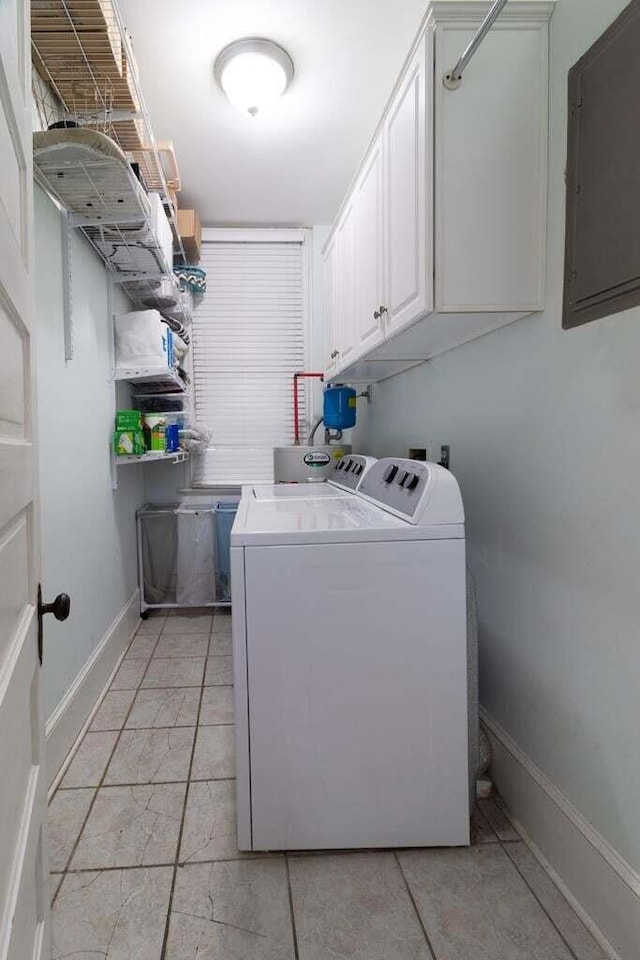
pixel 453 78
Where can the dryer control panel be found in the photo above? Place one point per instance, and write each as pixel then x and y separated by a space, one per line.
pixel 350 471
pixel 417 491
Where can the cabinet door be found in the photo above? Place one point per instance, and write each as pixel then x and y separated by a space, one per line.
pixel 331 318
pixel 409 204
pixel 346 286
pixel 369 252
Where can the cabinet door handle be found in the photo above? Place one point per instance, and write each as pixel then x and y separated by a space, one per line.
pixel 376 315
pixel 382 310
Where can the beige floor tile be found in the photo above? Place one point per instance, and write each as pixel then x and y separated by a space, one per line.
pixel 474 903
pixel 498 821
pixel 165 707
pixel 152 756
pixel 65 817
pixel 129 675
pixel 198 623
pixel 113 710
pixel 222 626
pixel 481 832
pixel 210 823
pixel 175 672
pixel 55 879
pixel 219 671
pixel 152 626
pixel 231 911
pixel 214 756
pixel 187 645
pixel 217 705
pixel 131 827
pixel 89 763
pixel 354 906
pixel 221 644
pixel 113 915
pixel 142 646
pixel 563 915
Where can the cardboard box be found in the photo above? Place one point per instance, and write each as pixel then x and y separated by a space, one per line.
pixel 191 234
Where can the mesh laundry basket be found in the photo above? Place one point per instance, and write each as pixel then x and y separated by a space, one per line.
pixel 184 553
pixel 225 515
pixel 195 565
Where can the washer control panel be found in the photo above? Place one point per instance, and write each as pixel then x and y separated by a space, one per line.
pixel 350 471
pixel 422 493
pixel 399 484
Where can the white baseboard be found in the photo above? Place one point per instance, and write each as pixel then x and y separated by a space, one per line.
pixel 600 885
pixel 70 716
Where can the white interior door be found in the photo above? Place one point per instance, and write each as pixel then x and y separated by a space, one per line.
pixel 24 898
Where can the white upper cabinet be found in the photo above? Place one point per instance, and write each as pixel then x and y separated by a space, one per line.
pixel 491 144
pixel 409 213
pixel 369 246
pixel 330 300
pixel 345 279
pixel 442 237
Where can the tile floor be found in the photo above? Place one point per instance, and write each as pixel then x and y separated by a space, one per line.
pixel 145 863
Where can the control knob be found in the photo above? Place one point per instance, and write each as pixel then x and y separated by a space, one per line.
pixel 390 473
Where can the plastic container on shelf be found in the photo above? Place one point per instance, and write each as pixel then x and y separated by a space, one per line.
pixel 163 403
pixel 155 431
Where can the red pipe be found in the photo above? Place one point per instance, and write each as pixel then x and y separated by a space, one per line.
pixel 296 377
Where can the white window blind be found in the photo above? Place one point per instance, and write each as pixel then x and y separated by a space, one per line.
pixel 248 340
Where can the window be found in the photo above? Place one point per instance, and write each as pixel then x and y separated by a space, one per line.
pixel 249 338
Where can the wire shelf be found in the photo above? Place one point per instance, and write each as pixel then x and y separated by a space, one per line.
pixel 154 380
pixel 181 456
pixel 83 53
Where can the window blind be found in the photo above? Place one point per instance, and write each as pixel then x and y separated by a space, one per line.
pixel 248 340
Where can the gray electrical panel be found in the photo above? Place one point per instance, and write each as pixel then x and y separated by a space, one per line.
pixel 602 253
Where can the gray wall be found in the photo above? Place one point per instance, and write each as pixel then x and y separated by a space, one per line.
pixel 545 441
pixel 88 530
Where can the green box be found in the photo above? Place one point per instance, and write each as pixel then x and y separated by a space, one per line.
pixel 129 443
pixel 128 420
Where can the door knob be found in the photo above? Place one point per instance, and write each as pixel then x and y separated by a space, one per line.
pixel 60 608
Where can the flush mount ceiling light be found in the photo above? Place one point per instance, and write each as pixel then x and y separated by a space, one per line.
pixel 253 73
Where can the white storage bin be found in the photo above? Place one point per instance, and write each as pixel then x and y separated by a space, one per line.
pixel 162 229
pixel 142 340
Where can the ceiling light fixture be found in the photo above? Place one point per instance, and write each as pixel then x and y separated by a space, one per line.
pixel 254 73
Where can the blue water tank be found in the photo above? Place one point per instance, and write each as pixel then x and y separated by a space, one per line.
pixel 339 408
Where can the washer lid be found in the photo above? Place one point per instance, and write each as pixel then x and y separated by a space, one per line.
pixel 293 491
pixel 347 519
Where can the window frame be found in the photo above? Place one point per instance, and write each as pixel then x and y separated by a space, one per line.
pixel 303 236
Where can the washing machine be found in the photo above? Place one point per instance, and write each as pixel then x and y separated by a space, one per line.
pixel 349 473
pixel 350 665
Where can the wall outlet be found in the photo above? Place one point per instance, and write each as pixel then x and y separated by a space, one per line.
pixel 417 453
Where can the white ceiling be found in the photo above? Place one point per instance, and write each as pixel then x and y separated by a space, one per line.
pixel 293 166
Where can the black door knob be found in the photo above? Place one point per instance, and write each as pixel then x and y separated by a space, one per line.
pixel 60 608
